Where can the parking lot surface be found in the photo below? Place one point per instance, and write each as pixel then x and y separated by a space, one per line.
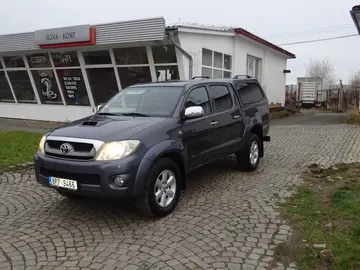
pixel 226 219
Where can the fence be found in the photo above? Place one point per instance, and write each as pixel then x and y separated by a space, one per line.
pixel 334 99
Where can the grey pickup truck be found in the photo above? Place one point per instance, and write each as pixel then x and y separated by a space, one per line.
pixel 144 141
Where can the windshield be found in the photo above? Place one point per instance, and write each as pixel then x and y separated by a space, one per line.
pixel 144 101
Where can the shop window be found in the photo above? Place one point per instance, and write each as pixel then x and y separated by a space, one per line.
pixel 73 87
pixel 133 75
pixel 207 58
pixel 5 91
pixel 39 60
pixel 216 64
pixel 103 84
pixel 131 56
pixel 65 59
pixel 164 54
pixel 22 87
pixel 167 73
pixel 47 87
pixel 14 61
pixel 97 58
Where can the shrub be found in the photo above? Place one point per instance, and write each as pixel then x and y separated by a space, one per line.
pixel 354 117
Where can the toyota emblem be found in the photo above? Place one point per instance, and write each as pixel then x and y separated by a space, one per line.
pixel 65 148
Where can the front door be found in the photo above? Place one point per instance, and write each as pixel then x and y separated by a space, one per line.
pixel 198 132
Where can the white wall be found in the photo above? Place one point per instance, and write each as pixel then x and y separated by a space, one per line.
pixel 194 42
pixel 272 76
pixel 57 113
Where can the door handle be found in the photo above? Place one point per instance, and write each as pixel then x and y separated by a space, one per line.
pixel 236 116
pixel 214 123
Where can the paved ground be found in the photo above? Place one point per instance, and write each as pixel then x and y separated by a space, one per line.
pixel 225 220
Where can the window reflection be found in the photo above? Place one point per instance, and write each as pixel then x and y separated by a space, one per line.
pixel 5 91
pixel 103 84
pixel 166 73
pixel 14 61
pixel 131 56
pixel 97 57
pixel 164 54
pixel 22 86
pixel 133 75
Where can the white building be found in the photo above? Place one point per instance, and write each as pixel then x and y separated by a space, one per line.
pixel 62 74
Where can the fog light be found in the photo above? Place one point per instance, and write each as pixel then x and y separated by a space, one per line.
pixel 119 181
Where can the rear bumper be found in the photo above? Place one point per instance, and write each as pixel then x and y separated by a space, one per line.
pixel 94 178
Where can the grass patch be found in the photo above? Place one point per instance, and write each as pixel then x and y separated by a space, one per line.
pixel 325 210
pixel 354 117
pixel 276 115
pixel 17 147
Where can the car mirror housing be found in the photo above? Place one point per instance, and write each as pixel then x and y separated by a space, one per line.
pixel 98 107
pixel 194 112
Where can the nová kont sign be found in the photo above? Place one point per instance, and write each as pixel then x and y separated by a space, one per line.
pixel 80 33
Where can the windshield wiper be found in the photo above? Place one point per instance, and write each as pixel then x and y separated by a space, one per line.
pixel 107 113
pixel 135 114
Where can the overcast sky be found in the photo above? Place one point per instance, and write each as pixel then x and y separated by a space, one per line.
pixel 272 20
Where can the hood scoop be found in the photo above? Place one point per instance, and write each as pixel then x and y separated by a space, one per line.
pixel 89 123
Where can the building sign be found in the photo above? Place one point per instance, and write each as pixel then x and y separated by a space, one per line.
pixel 80 33
pixel 71 84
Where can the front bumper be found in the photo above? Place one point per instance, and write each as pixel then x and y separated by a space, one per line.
pixel 94 178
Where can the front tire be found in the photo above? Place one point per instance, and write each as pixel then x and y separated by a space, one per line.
pixel 249 158
pixel 163 191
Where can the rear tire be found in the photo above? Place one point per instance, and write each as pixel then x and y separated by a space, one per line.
pixel 163 190
pixel 249 158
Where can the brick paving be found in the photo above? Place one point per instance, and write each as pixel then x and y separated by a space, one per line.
pixel 226 219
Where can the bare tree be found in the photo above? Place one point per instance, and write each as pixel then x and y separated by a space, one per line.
pixel 355 80
pixel 322 69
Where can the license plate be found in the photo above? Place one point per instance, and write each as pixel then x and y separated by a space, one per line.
pixel 63 183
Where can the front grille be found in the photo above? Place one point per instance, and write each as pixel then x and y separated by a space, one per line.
pixel 80 150
pixel 82 178
pixel 81 147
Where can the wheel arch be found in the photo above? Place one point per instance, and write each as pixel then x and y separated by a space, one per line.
pixel 166 149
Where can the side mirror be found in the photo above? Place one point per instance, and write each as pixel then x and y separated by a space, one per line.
pixel 98 107
pixel 194 112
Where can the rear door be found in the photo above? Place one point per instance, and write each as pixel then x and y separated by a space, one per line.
pixel 229 120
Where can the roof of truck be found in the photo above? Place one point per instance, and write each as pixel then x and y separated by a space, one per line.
pixel 191 82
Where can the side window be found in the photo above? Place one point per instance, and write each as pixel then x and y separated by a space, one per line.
pixel 199 97
pixel 221 96
pixel 250 93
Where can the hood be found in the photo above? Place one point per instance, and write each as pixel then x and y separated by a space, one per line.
pixel 106 128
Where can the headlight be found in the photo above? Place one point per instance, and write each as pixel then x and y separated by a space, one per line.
pixel 117 150
pixel 42 144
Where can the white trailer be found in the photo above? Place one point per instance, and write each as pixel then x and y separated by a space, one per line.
pixel 309 89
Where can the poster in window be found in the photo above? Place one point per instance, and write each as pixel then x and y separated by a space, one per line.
pixel 46 86
pixel 73 87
